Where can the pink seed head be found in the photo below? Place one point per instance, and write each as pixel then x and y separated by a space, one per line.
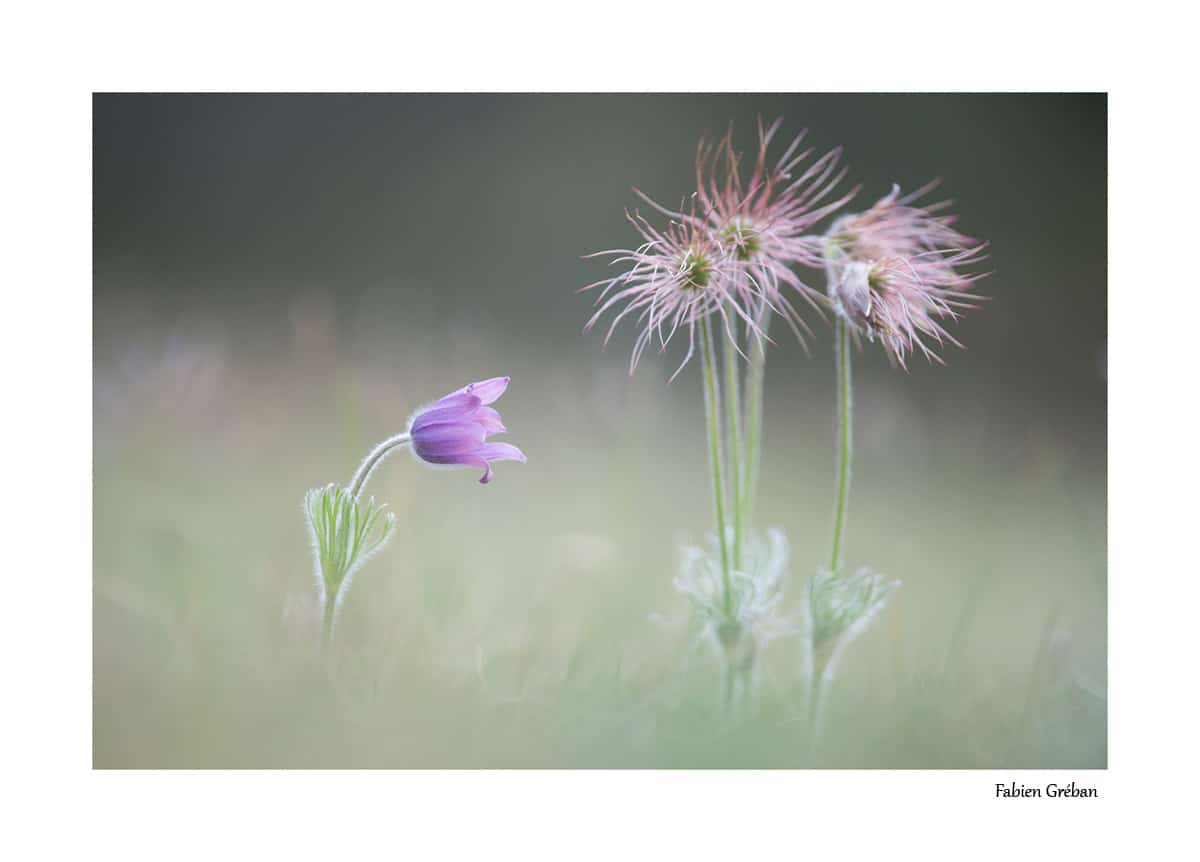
pixel 898 270
pixel 764 218
pixel 673 281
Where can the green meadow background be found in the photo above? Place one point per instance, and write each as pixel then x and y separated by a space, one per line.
pixel 281 280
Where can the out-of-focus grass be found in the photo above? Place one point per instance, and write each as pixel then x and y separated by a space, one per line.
pixel 509 625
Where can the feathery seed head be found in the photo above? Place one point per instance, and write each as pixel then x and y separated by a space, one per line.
pixel 898 270
pixel 672 282
pixel 765 218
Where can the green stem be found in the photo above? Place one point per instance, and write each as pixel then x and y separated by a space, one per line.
pixel 327 614
pixel 754 409
pixel 374 460
pixel 844 438
pixel 733 427
pixel 819 689
pixel 712 410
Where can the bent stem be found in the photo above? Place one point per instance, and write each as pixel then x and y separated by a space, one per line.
pixel 357 483
pixel 844 438
pixel 374 459
pixel 754 408
pixel 733 421
pixel 712 410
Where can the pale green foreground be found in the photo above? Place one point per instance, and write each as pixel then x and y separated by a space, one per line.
pixel 510 625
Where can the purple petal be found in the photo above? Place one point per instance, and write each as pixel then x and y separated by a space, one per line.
pixel 454 398
pixel 490 420
pixel 501 452
pixel 487 391
pixel 479 457
pixel 450 440
pixel 465 459
pixel 452 408
pixel 495 452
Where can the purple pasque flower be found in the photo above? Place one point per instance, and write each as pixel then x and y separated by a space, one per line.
pixel 899 269
pixel 766 218
pixel 675 279
pixel 454 429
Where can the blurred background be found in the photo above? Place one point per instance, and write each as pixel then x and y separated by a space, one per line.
pixel 281 280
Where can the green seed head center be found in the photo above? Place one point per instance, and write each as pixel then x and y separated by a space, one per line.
pixel 694 270
pixel 743 238
pixel 877 279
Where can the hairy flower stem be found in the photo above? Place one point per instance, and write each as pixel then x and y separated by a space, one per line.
pixel 754 409
pixel 374 460
pixel 733 423
pixel 328 611
pixel 331 593
pixel 819 688
pixel 845 394
pixel 712 410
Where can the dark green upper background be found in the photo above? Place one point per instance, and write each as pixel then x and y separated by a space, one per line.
pixel 482 204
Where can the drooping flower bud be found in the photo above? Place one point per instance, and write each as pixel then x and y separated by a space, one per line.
pixel 454 429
